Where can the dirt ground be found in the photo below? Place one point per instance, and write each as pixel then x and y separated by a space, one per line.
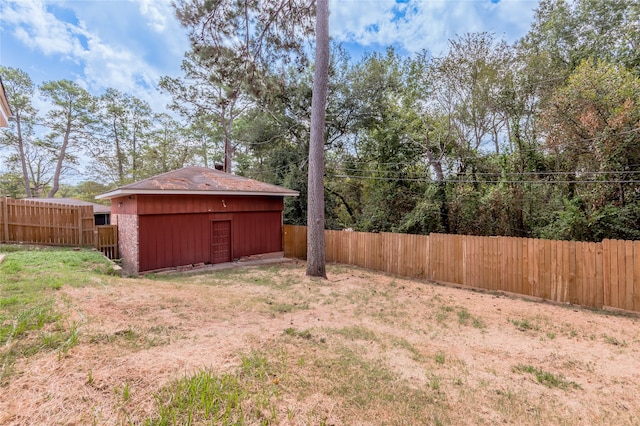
pixel 471 353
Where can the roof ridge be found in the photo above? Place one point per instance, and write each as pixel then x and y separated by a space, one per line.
pixel 199 180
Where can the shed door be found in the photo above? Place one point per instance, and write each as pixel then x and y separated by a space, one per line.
pixel 221 241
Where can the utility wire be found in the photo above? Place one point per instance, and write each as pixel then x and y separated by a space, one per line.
pixel 430 181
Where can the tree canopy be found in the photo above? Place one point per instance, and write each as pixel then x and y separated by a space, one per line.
pixel 537 138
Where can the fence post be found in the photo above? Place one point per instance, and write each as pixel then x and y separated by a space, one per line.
pixel 79 210
pixel 5 216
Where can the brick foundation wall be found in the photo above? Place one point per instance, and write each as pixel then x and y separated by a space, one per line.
pixel 128 243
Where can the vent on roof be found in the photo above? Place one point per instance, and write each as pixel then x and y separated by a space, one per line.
pixel 219 166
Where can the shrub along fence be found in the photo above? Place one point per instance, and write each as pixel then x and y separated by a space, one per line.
pixel 34 222
pixel 605 274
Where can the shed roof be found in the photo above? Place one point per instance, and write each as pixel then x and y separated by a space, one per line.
pixel 201 181
pixel 97 208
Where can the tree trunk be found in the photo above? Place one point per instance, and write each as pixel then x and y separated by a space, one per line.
pixel 436 164
pixel 119 154
pixel 134 154
pixel 227 126
pixel 205 148
pixel 23 159
pixel 315 207
pixel 63 152
pixel 227 153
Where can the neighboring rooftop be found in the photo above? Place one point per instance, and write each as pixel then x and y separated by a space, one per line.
pixel 97 208
pixel 202 181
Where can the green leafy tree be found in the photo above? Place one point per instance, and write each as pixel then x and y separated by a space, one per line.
pixel 87 190
pixel 110 151
pixel 19 90
pixel 233 44
pixel 119 143
pixel 466 86
pixel 169 147
pixel 70 122
pixel 569 32
pixel 11 185
pixel 593 128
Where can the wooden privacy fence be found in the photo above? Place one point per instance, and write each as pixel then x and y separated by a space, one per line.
pixel 35 222
pixel 107 240
pixel 589 274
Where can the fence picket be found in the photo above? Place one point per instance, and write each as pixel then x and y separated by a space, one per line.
pixel 636 276
pixel 613 252
pixel 606 271
pixel 628 296
pixel 523 262
pixel 600 285
pixel 590 266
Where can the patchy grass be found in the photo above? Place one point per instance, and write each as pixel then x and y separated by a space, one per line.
pixel 270 346
pixel 276 277
pixel 546 378
pixel 32 313
pixel 524 324
pixel 357 332
pixel 244 397
pixel 305 334
pixel 283 308
pixel 612 340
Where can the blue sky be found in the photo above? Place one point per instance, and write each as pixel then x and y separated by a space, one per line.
pixel 130 44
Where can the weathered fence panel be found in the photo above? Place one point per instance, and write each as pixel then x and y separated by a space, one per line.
pixel 295 241
pixel 583 273
pixel 107 240
pixel 34 222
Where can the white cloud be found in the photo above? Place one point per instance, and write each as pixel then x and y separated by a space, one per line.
pixel 420 24
pixel 156 12
pixel 118 63
pixel 39 29
pixel 129 44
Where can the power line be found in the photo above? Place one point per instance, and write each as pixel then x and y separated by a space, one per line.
pixel 423 180
pixel 472 181
pixel 510 173
pixel 361 174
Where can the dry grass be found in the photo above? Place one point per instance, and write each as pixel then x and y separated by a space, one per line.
pixel 360 348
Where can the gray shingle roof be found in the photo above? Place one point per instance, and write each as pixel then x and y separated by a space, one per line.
pixel 97 208
pixel 199 180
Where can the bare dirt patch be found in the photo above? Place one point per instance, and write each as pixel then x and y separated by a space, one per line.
pixel 360 348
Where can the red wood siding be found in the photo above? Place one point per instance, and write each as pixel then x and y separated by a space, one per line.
pixel 174 204
pixel 124 205
pixel 176 230
pixel 174 240
pixel 256 233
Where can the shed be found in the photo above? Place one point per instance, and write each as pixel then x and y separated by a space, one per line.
pixel 196 215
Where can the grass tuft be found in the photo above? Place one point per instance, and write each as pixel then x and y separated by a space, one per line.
pixel 357 332
pixel 546 378
pixel 244 397
pixel 524 325
pixel 202 397
pixel 305 334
